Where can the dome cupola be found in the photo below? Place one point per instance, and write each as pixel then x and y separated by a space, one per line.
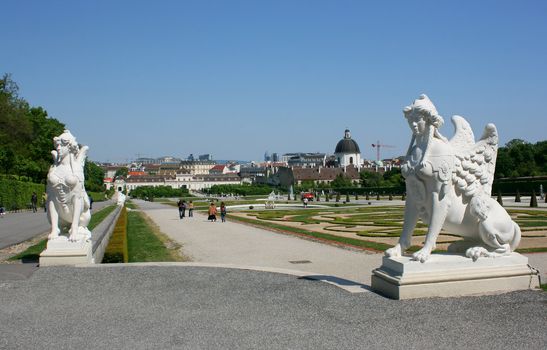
pixel 347 144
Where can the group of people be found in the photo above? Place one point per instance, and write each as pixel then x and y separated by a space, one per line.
pixel 213 212
pixel 182 208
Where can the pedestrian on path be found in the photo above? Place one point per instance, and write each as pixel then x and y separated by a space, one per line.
pixel 44 201
pixel 212 213
pixel 305 202
pixel 34 201
pixel 222 212
pixel 182 208
pixel 190 209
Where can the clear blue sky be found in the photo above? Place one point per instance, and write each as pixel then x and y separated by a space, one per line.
pixel 237 78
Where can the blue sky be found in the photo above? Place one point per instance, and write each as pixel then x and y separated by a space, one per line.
pixel 237 78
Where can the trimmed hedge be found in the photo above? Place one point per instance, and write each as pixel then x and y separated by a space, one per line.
pixel 15 194
pixel 524 185
pixel 116 251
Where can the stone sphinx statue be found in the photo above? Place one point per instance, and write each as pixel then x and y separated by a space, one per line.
pixel 449 185
pixel 67 201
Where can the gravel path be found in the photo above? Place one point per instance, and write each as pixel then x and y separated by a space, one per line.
pixel 144 307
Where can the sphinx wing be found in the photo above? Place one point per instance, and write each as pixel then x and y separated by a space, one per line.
pixel 475 163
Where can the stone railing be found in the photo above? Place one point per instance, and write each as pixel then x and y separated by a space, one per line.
pixel 101 235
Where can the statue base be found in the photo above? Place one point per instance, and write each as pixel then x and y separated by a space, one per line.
pixel 61 251
pixel 450 275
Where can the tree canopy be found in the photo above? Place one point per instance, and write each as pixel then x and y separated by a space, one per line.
pixel 519 158
pixel 26 134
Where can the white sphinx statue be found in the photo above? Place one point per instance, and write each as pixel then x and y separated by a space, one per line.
pixel 449 185
pixel 67 201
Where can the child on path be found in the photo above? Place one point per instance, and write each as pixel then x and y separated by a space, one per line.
pixel 212 212
pixel 223 212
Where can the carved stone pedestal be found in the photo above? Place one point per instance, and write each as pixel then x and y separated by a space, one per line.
pixel 449 275
pixel 61 251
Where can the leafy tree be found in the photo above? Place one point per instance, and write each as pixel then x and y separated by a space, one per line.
pixel 25 134
pixel 94 176
pixel 121 172
pixel 370 179
pixel 519 158
pixel 341 181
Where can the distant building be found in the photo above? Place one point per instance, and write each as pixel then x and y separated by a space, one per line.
pixel 295 176
pixel 143 160
pixel 205 157
pixel 168 160
pixel 347 152
pixel 225 169
pixel 275 157
pixel 195 167
pixel 306 160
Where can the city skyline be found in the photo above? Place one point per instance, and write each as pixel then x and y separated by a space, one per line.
pixel 238 78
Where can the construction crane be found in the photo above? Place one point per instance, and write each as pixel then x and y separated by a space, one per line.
pixel 378 145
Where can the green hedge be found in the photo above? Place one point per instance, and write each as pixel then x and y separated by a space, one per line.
pixel 509 187
pixel 116 251
pixel 15 195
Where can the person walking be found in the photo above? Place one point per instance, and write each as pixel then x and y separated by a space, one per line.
pixel 222 212
pixel 182 208
pixel 34 202
pixel 190 209
pixel 305 202
pixel 212 213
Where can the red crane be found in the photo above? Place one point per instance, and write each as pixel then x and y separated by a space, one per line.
pixel 378 145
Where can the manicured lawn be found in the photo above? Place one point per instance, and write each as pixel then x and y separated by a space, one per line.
pixel 145 243
pixel 33 253
pixel 374 222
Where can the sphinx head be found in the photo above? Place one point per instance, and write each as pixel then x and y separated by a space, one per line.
pixel 65 144
pixel 421 113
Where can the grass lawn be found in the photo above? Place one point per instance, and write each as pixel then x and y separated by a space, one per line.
pixel 145 243
pixel 33 253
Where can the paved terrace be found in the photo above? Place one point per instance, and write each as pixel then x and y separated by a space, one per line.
pixel 180 306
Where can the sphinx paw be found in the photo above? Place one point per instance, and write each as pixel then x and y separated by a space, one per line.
pixel 476 252
pixel 394 252
pixel 422 255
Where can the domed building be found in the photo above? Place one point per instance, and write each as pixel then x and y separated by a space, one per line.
pixel 347 152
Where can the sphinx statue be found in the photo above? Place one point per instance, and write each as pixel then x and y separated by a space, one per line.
pixel 67 201
pixel 449 184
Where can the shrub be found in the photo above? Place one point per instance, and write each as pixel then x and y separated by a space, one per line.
pixel 15 195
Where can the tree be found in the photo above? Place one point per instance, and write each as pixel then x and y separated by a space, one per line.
pixel 121 172
pixel 341 181
pixel 370 179
pixel 94 177
pixel 26 134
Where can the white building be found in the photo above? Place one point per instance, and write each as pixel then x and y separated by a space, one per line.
pixel 347 152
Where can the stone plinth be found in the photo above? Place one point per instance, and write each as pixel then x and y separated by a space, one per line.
pixel 61 251
pixel 450 275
